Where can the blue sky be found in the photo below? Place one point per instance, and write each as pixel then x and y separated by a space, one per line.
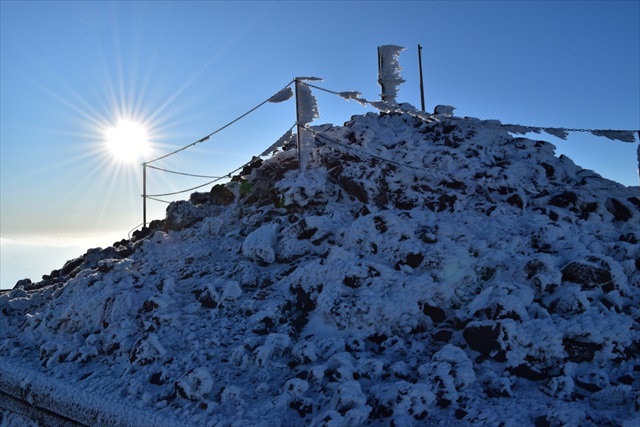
pixel 71 70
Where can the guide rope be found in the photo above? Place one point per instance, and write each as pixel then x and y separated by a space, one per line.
pixel 596 132
pixel 152 196
pixel 337 144
pixel 215 131
pixel 622 135
pixel 182 173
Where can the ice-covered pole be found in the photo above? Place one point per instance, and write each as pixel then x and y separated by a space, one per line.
pixel 306 111
pixel 389 72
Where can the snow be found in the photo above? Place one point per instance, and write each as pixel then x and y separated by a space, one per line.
pixel 423 270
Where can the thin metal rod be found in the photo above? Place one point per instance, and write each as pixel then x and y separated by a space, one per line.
pixel 421 82
pixel 144 195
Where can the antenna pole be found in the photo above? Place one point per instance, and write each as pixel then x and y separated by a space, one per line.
pixel 421 82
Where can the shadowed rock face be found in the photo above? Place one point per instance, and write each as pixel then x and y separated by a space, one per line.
pixel 419 271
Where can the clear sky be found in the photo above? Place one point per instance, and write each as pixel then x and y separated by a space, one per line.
pixel 70 71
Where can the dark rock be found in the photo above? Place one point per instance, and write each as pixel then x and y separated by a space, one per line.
pixel 629 238
pixel 526 371
pixel 443 335
pixel 221 195
pixel 634 201
pixel 157 378
pixel 299 322
pixel 380 224
pixel 303 407
pixel 141 234
pixel 148 306
pixel 455 185
pixel 351 282
pixel 548 169
pixel 619 211
pixel 379 410
pixel 587 208
pixel 516 201
pixel 405 205
pixel 23 284
pixel 206 299
pixel 460 413
pixel 563 200
pixel 199 198
pixel 354 188
pixel 182 214
pixel 303 299
pixel 483 339
pixel 533 267
pixel 414 260
pixel 594 272
pixel 378 338
pixel 578 351
pixel 626 379
pixel 541 421
pixel 588 386
pixel 435 313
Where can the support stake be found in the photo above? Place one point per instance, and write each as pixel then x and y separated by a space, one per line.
pixel 421 82
pixel 144 195
pixel 298 127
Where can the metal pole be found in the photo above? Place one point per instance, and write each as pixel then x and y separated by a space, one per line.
pixel 421 82
pixel 380 80
pixel 144 195
pixel 298 128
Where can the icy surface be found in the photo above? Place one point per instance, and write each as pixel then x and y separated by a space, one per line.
pixel 421 271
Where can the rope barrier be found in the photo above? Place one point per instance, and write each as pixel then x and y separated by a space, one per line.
pixel 343 147
pixel 622 135
pixel 158 200
pixel 149 196
pixel 153 196
pixel 616 134
pixel 182 173
pixel 218 130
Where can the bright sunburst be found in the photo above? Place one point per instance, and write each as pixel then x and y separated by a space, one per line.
pixel 128 141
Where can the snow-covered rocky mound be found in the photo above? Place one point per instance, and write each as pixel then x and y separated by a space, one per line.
pixel 419 272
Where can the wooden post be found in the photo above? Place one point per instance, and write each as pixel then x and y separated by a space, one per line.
pixel 144 195
pixel 421 82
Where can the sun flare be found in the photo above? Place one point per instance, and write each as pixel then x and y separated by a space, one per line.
pixel 127 141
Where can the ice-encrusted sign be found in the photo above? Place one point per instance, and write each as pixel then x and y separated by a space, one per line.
pixel 389 71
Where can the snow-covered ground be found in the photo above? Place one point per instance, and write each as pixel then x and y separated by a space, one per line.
pixel 420 271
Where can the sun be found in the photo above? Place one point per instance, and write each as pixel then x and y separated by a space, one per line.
pixel 128 141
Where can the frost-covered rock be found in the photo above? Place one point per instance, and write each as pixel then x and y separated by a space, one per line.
pixel 260 245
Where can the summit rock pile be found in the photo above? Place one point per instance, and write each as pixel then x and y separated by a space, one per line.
pixel 418 272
